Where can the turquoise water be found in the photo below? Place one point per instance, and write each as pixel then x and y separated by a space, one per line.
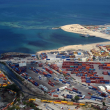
pixel 26 26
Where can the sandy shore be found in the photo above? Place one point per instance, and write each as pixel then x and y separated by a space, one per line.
pixel 76 28
pixel 85 47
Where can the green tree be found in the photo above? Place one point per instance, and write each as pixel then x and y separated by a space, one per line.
pixel 72 100
pixel 17 107
pixel 93 58
pixel 103 103
pixel 76 98
pixel 14 88
pixel 18 99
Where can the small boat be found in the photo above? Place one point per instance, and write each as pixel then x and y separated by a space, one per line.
pixel 87 35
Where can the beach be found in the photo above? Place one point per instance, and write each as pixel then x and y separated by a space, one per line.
pixel 85 47
pixel 79 29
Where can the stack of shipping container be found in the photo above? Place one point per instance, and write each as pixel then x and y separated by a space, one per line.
pixel 43 56
pixel 16 68
pixel 86 71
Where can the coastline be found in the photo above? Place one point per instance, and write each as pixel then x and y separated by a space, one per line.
pixel 85 47
pixel 79 29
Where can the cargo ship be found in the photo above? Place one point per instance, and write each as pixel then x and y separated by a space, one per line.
pixel 87 35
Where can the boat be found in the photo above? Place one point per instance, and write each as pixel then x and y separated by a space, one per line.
pixel 87 35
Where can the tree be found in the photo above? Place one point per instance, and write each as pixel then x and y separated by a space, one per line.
pixel 103 103
pixel 76 98
pixel 64 99
pixel 14 88
pixel 93 58
pixel 72 100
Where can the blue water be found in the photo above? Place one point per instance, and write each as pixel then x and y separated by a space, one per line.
pixel 26 25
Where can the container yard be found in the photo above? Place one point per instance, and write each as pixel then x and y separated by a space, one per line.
pixel 4 81
pixel 68 74
pixel 67 79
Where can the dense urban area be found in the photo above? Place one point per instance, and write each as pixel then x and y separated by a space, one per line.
pixel 56 80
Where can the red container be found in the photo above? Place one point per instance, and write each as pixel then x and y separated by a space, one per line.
pixel 83 80
pixel 75 89
pixel 93 81
pixel 97 81
pixel 44 73
pixel 82 77
pixel 1 75
pixel 50 72
pixel 57 100
pixel 52 91
pixel 69 89
pixel 75 103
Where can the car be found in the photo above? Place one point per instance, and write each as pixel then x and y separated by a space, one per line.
pixel 89 93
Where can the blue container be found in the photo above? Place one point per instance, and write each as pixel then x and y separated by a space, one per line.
pixel 67 56
pixel 79 53
pixel 67 59
pixel 80 92
pixel 92 98
pixel 107 83
pixel 69 96
pixel 60 80
pixel 93 89
pixel 57 89
pixel 99 98
pixel 12 66
pixel 16 69
pixel 88 81
pixel 63 57
pixel 79 95
pixel 26 77
pixel 16 65
pixel 47 59
pixel 68 82
pixel 49 75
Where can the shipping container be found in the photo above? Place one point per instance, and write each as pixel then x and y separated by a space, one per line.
pixel 55 95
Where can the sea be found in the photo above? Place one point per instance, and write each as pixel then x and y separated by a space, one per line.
pixel 26 25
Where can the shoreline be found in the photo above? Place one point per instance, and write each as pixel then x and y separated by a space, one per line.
pixel 79 29
pixel 85 47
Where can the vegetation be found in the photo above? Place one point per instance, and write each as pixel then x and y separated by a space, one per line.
pixel 73 100
pixel 14 107
pixel 64 99
pixel 31 104
pixel 94 58
pixel 76 98
pixel 103 104
pixel 2 63
pixel 14 88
